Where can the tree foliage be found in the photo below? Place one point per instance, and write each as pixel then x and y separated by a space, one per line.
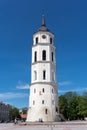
pixel 63 105
pixel 73 106
pixel 14 113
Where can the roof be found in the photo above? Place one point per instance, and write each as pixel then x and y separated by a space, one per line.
pixel 23 116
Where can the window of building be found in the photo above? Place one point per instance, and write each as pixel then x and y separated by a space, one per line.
pixel 52 90
pixel 53 102
pixel 35 75
pixel 33 102
pixel 36 40
pixel 44 74
pixel 50 40
pixel 57 109
pixel 34 90
pixel 46 111
pixel 42 101
pixel 53 76
pixel 43 55
pixel 35 56
pixel 40 93
pixel 43 90
pixel 52 56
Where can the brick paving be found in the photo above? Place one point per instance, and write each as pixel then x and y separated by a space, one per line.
pixel 54 126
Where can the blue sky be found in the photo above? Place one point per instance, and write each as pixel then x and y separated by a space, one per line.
pixel 19 19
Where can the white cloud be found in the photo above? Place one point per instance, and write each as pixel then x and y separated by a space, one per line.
pixel 65 83
pixel 26 86
pixel 62 91
pixel 80 89
pixel 11 95
pixel 73 90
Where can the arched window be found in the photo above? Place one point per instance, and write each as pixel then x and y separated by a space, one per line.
pixel 50 40
pixel 33 102
pixel 34 90
pixel 35 75
pixel 57 109
pixel 44 74
pixel 36 40
pixel 42 101
pixel 43 90
pixel 52 90
pixel 35 56
pixel 46 111
pixel 43 55
pixel 52 56
pixel 53 76
pixel 53 102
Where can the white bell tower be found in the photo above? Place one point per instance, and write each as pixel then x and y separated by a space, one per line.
pixel 43 100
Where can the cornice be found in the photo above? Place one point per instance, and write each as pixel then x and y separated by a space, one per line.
pixel 44 44
pixel 44 62
pixel 48 83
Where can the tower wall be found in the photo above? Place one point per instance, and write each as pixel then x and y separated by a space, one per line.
pixel 40 101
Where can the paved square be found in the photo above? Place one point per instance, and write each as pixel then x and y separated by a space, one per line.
pixel 59 126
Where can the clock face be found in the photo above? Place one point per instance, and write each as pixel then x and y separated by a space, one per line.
pixel 44 36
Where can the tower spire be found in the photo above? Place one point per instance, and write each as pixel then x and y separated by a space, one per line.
pixel 43 20
pixel 43 26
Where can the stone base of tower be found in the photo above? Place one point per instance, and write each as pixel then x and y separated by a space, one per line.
pixel 39 115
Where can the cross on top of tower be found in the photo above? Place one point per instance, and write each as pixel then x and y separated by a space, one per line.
pixel 43 26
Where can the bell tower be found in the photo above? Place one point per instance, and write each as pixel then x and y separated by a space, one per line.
pixel 43 100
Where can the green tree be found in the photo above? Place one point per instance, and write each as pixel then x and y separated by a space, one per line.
pixel 84 94
pixel 14 113
pixel 73 106
pixel 63 106
pixel 24 111
pixel 82 107
pixel 70 95
pixel 72 109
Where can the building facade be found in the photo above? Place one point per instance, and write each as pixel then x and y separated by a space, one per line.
pixel 43 100
pixel 4 112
